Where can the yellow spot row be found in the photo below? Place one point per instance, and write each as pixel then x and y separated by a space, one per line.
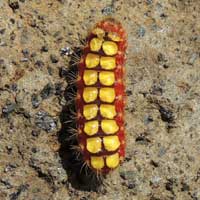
pixel 108 126
pixel 101 33
pixel 112 161
pixel 106 94
pixel 106 111
pixel 111 143
pixel 110 48
pixel 106 62
pixel 106 78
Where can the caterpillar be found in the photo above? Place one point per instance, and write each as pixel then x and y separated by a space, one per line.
pixel 100 98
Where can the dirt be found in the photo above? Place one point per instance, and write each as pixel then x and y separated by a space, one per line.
pixel 39 39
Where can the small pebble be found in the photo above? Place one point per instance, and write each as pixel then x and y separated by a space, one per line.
pixel 15 195
pixel 44 121
pixel 9 167
pixel 47 91
pixel 54 58
pixel 9 148
pixel 142 139
pixel 2 31
pixel 162 151
pixel 33 54
pixel 35 100
pixel 154 163
pixel 131 185
pixel 58 89
pixel 129 92
pixel 149 2
pixel 155 181
pixel 24 60
pixel 141 32
pixel 50 71
pixel 128 175
pixel 44 49
pixel 107 10
pixel 13 87
pixel 1 61
pixel 161 58
pixel 39 63
pixel 83 198
pixel 9 108
pixel 62 101
pixel 66 51
pixel 166 115
pixel 169 185
pixel 35 133
pixel 12 36
pixel 192 58
pixel 25 52
pixel 34 150
pixel 14 4
pixel 6 183
pixel 148 119
pixel 157 90
pixel 63 72
pixel 165 66
pixel 20 110
pixel 19 24
pixel 185 187
pixel 3 44
pixel 163 15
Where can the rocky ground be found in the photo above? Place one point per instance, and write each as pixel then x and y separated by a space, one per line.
pixel 37 41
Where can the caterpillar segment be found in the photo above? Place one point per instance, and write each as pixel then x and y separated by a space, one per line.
pixel 101 97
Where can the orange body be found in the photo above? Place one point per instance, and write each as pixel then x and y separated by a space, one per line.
pixel 101 97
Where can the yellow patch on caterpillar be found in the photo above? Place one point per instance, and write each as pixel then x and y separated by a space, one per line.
pixel 94 144
pixel 95 44
pixel 107 94
pixel 107 111
pixel 90 77
pixel 108 62
pixel 97 162
pixel 110 48
pixel 109 126
pixel 111 143
pixel 99 32
pixel 112 161
pixel 91 127
pixel 107 78
pixel 92 60
pixel 90 111
pixel 90 94
pixel 114 37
